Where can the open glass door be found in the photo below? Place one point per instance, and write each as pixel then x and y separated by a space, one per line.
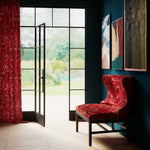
pixel 40 74
pixel 65 49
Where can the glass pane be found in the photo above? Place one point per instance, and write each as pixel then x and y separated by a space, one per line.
pixel 42 104
pixel 76 98
pixel 56 38
pixel 27 58
pixel 27 78
pixel 77 38
pixel 37 102
pixel 77 17
pixel 57 46
pixel 37 79
pixel 60 17
pixel 57 43
pixel 37 37
pixel 37 58
pixel 42 36
pixel 27 16
pixel 77 58
pixel 28 101
pixel 77 79
pixel 41 82
pixel 27 37
pixel 42 58
pixel 44 15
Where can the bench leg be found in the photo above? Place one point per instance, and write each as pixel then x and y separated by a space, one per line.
pixel 127 131
pixel 112 126
pixel 90 134
pixel 77 117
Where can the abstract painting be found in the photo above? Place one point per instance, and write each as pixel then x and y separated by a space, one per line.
pixel 135 35
pixel 117 44
pixel 106 42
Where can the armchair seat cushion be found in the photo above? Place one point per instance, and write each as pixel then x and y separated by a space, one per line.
pixel 100 111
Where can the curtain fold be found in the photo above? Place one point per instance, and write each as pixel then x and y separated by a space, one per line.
pixel 10 62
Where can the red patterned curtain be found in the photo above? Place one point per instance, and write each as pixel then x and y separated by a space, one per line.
pixel 10 62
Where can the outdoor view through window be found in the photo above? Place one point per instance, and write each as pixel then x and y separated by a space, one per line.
pixel 65 55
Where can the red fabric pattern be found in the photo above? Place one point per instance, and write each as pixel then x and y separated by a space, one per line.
pixel 115 106
pixel 10 62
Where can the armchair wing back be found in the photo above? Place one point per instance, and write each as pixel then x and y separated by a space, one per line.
pixel 119 92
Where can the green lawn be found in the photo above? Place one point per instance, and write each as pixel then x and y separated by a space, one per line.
pixel 57 90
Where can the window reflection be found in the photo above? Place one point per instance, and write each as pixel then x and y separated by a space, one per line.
pixel 61 17
pixel 77 57
pixel 77 39
pixel 77 17
pixel 27 37
pixel 27 16
pixel 77 79
pixel 44 15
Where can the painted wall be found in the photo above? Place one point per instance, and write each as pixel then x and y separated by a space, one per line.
pixel 140 115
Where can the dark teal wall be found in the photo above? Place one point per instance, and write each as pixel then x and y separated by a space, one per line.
pixel 140 115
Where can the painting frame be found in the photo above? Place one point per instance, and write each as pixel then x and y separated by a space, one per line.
pixel 117 57
pixel 105 42
pixel 135 35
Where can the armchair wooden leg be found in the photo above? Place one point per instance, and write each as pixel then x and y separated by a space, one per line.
pixel 112 126
pixel 90 134
pixel 127 131
pixel 77 117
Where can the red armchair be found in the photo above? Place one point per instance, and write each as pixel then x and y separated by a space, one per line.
pixel 114 109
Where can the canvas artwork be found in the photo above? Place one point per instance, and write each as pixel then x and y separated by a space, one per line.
pixel 117 44
pixel 106 42
pixel 135 34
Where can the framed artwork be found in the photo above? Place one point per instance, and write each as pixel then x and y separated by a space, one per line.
pixel 106 42
pixel 135 35
pixel 117 44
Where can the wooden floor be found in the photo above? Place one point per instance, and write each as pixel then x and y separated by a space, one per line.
pixel 59 133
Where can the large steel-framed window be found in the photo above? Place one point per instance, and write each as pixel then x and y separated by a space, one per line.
pixel 72 22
